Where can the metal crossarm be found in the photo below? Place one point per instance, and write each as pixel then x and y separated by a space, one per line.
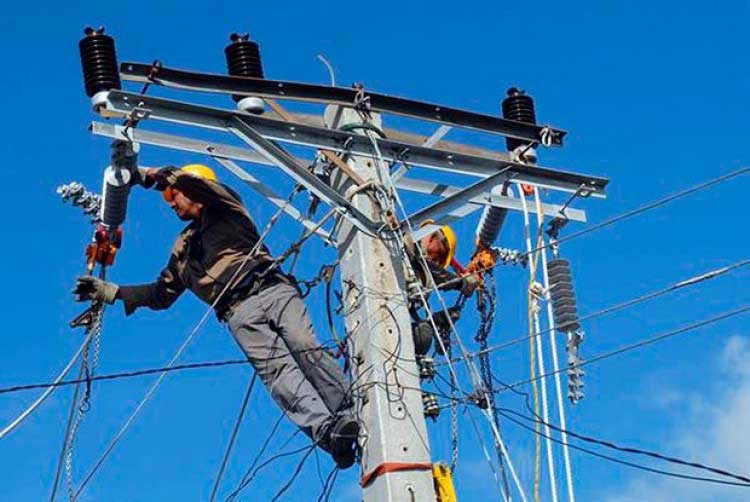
pixel 206 82
pixel 125 103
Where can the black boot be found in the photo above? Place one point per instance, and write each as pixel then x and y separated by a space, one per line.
pixel 343 441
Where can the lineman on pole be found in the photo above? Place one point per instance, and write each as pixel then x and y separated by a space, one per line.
pixel 219 257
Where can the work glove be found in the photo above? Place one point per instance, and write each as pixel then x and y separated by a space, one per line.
pixel 163 177
pixel 151 177
pixel 91 288
pixel 469 284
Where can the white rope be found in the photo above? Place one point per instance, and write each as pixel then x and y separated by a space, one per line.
pixel 538 340
pixel 555 365
pixel 15 423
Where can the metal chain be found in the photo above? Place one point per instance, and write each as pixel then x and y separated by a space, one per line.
pixel 454 415
pixel 487 318
pixel 90 361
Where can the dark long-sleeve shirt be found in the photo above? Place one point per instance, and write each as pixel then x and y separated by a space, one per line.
pixel 209 253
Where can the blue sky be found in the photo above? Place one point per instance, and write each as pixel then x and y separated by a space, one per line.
pixel 654 95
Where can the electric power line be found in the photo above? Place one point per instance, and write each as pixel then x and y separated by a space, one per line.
pixel 691 281
pixel 647 341
pixel 627 463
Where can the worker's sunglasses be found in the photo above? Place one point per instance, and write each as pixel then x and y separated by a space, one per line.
pixel 168 195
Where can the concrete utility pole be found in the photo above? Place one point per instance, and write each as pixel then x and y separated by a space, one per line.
pixel 385 376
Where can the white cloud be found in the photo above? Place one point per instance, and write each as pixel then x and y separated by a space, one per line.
pixel 715 433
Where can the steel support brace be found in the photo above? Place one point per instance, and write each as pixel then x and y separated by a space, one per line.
pixel 289 165
pixel 443 206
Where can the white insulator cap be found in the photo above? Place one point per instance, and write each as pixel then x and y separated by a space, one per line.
pixel 98 100
pixel 251 104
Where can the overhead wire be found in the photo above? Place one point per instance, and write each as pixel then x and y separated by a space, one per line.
pixel 639 210
pixel 233 436
pixel 637 451
pixel 628 463
pixel 691 281
pixel 50 388
pixel 642 343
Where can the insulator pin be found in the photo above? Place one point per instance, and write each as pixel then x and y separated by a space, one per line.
pixel 563 298
pixel 115 191
pixel 99 63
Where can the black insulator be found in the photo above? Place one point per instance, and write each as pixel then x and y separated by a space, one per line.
pixel 563 298
pixel 518 106
pixel 492 221
pixel 243 58
pixel 99 62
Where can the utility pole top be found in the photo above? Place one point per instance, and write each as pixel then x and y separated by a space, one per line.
pixel 394 434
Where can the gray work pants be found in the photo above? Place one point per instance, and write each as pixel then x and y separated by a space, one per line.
pixel 274 330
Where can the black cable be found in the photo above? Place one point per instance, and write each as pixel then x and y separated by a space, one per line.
pixel 258 455
pixel 637 345
pixel 294 475
pixel 637 451
pixel 149 371
pixel 620 306
pixel 128 374
pixel 233 436
pixel 624 462
pixel 610 444
pixel 328 486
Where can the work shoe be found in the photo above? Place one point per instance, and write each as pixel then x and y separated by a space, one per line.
pixel 343 441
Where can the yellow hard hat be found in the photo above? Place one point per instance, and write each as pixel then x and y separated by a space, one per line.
pixel 200 171
pixel 450 238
